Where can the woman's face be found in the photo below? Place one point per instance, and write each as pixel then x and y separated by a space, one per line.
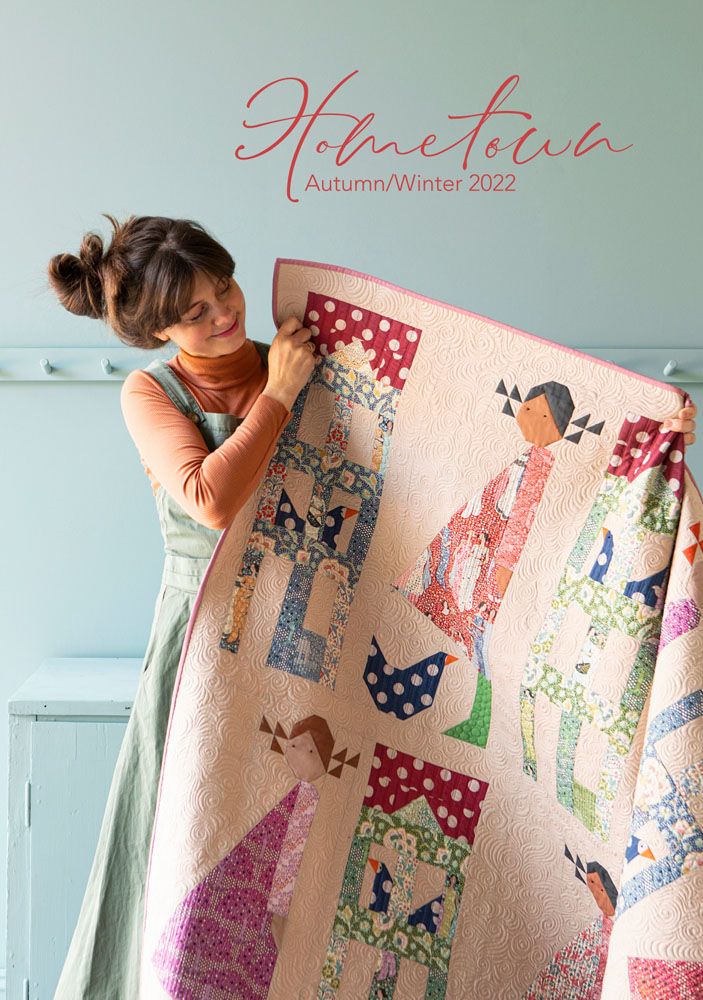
pixel 303 758
pixel 599 894
pixel 536 422
pixel 214 307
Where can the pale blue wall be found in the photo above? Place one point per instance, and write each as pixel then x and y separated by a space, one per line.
pixel 135 107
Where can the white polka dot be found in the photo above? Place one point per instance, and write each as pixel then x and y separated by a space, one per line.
pixel 402 772
pixel 387 885
pixel 647 457
pixel 452 821
pixel 314 330
pixel 338 345
pixel 376 762
pixel 329 521
pixel 602 559
pixel 323 349
pixel 468 813
pixel 393 344
pixel 676 455
pixel 631 418
pixel 370 354
pixel 461 839
pixel 418 764
pixel 313 315
pixel 442 811
pixel 290 523
pixel 371 678
pixel 398 688
pixel 397 356
pixel 426 699
pixel 372 650
pixel 434 906
pixel 642 436
pixel 388 669
pixel 429 784
pixel 340 324
pixel 369 791
pixel 635 452
pixel 411 334
pixel 408 708
pixel 329 306
pixel 456 794
pixel 286 507
pixel 366 334
pixel 432 669
pixel 381 697
pixel 416 680
pixel 356 314
pixel 386 380
pixel 444 774
pixel 665 445
pixel 615 460
pixel 384 325
pixel 403 373
pixel 474 785
pixel 385 781
pixel 674 484
pixel 392 754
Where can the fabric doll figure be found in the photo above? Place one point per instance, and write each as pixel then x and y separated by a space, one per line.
pixel 223 939
pixel 579 967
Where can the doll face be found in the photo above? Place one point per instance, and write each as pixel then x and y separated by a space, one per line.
pixel 536 422
pixel 599 894
pixel 215 306
pixel 303 758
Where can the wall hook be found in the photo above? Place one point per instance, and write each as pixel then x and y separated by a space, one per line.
pixel 670 367
pixel 107 367
pixel 47 368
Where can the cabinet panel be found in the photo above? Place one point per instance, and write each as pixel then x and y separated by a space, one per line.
pixel 72 763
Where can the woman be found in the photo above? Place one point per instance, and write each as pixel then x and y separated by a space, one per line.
pixel 205 424
pixel 224 937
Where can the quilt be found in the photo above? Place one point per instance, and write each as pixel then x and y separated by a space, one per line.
pixel 437 730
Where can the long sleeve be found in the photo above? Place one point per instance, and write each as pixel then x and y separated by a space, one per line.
pixel 210 486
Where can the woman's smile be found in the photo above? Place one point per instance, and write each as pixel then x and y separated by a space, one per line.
pixel 229 331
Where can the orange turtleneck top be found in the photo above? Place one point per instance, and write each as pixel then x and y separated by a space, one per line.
pixel 210 486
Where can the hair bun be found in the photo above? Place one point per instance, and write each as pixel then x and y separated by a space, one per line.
pixel 78 280
pixel 91 253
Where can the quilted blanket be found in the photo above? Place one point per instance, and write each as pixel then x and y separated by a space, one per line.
pixel 437 729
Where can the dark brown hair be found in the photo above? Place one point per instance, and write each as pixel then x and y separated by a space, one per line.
pixel 143 282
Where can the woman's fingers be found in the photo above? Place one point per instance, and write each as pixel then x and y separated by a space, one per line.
pixel 682 421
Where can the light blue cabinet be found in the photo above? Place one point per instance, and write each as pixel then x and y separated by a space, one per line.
pixel 66 725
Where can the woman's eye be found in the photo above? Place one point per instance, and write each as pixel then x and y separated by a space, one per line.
pixel 225 288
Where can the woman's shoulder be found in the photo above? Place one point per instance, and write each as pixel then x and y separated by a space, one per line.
pixel 142 392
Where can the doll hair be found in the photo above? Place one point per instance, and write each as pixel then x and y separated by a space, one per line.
pixel 596 868
pixel 142 283
pixel 561 405
pixel 321 737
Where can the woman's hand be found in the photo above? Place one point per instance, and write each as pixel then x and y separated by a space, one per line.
pixel 290 362
pixel 684 420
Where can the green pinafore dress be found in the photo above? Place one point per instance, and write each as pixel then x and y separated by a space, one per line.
pixel 104 955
